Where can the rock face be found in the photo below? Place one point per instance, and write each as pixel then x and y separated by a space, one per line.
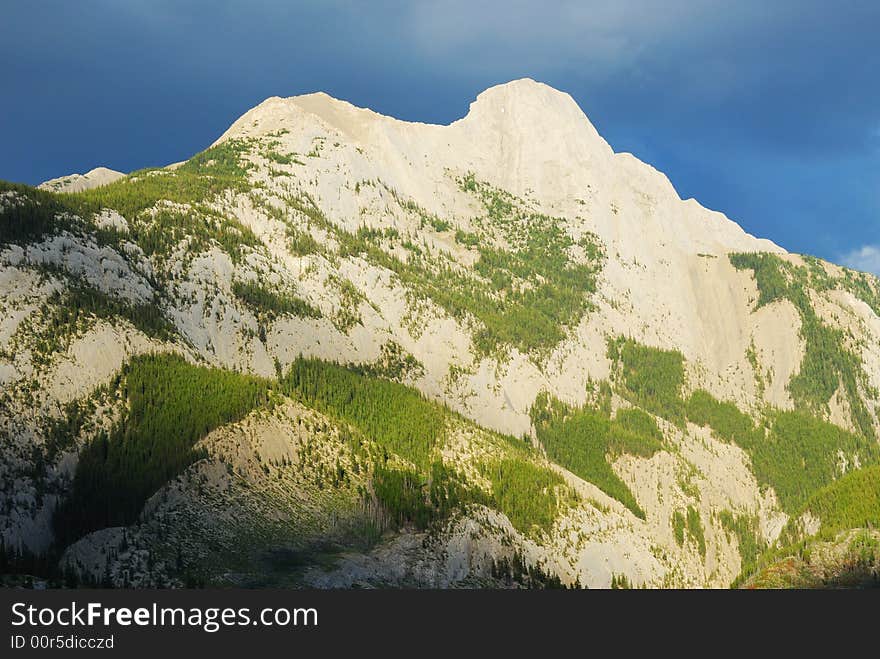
pixel 78 182
pixel 491 265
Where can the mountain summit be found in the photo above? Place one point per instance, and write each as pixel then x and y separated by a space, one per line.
pixel 488 353
pixel 78 182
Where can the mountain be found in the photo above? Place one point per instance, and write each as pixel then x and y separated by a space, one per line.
pixel 78 182
pixel 339 349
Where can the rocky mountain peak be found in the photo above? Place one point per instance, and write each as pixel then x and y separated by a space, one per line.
pixel 78 182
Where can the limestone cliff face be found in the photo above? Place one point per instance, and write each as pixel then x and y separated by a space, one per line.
pixel 373 223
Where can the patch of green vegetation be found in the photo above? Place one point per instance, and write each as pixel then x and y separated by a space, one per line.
pixel 638 422
pixel 752 357
pixel 301 243
pixel 538 292
pixel 34 213
pixel 599 398
pixel 852 501
pixel 269 153
pixel 620 582
pixel 543 289
pixel 317 147
pixel 350 299
pixel 650 377
pixel 410 497
pixel 500 204
pixel 826 365
pixel 79 298
pixel 632 442
pixel 394 363
pixel 67 314
pixel 798 456
pixel 525 492
pixel 517 572
pixel 272 304
pixel 119 470
pixel 162 232
pixel 745 528
pixel 725 419
pixel 403 423
pixel 695 529
pixel 686 484
pixel 524 297
pixel 678 524
pixel 467 239
pixel 396 417
pixel 827 362
pixel 439 225
pixel 864 286
pixel 770 274
pixel 26 213
pixel 583 439
pixel 850 560
pixel 199 179
pixel 62 433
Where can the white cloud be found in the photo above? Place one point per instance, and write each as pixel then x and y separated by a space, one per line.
pixel 865 258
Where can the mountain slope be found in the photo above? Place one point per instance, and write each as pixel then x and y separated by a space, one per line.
pixel 682 387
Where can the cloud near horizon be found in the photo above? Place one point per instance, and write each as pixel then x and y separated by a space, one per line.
pixel 865 258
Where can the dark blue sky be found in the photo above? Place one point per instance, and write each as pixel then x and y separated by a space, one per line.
pixel 766 110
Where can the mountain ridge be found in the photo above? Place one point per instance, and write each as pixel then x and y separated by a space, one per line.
pixel 486 107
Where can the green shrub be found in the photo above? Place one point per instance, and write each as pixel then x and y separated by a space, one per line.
pixel 620 582
pixel 725 419
pixel 650 377
pixel 404 495
pixel 638 422
pixel 747 533
pixel 695 529
pixel 678 524
pixel 467 239
pixel 394 363
pixel 271 304
pixel 525 492
pixel 439 225
pixel 301 243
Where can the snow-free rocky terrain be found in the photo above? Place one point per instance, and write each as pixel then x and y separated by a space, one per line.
pixel 338 349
